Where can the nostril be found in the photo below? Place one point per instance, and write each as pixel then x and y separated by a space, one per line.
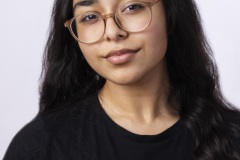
pixel 119 36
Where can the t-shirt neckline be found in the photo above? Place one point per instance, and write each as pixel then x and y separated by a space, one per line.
pixel 124 133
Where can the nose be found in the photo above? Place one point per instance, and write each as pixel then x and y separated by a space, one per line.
pixel 113 31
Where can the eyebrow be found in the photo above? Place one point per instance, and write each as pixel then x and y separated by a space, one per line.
pixel 84 3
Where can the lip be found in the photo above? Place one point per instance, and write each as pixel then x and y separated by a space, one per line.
pixel 120 56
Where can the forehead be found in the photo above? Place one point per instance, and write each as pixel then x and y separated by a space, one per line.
pixel 104 3
pixel 85 2
pixel 78 3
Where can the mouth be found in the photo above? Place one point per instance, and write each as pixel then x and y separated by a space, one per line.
pixel 120 56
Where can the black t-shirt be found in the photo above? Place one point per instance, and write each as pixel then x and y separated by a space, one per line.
pixel 83 131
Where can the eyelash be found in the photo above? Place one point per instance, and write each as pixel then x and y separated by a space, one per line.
pixel 139 6
pixel 83 19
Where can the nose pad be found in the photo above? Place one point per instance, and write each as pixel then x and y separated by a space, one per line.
pixel 113 31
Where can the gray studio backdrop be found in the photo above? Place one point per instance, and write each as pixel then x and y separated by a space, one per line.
pixel 23 33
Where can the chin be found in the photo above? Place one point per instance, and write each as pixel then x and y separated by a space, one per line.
pixel 126 80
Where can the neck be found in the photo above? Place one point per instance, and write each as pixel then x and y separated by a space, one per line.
pixel 143 101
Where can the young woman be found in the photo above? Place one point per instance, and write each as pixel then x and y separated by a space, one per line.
pixel 129 80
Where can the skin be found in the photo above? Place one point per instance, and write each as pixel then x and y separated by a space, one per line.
pixel 135 93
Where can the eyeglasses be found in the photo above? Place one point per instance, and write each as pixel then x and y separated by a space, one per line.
pixel 132 16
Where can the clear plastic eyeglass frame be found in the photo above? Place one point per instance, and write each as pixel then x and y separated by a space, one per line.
pixel 68 23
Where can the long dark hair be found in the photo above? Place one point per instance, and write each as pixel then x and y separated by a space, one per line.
pixel 195 90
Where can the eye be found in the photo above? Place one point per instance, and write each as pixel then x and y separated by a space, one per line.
pixel 89 17
pixel 133 7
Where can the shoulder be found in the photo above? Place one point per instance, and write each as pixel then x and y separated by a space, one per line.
pixel 46 133
pixel 28 141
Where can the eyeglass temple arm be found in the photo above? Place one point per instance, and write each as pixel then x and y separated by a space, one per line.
pixel 67 24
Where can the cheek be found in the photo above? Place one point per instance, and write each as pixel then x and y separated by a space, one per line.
pixel 158 29
pixel 91 54
pixel 157 39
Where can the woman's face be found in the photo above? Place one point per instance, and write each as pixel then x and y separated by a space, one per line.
pixel 122 57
